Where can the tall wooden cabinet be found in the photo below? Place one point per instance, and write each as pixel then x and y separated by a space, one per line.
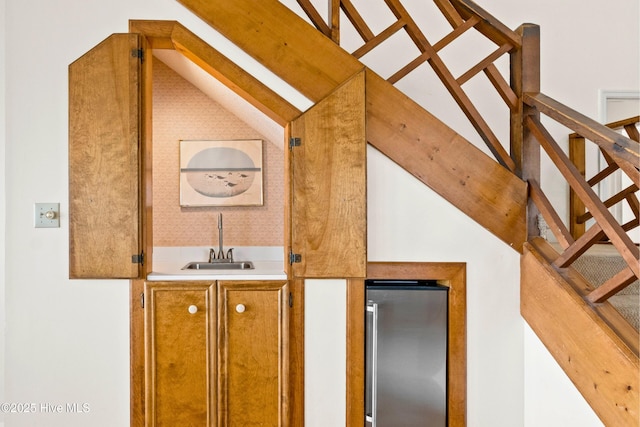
pixel 216 353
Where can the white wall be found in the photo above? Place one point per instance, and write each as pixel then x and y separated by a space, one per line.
pixel 67 341
pixel 552 400
pixel 409 222
pixel 3 205
pixel 325 348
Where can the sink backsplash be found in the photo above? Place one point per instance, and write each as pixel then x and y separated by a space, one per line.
pixel 181 111
pixel 240 253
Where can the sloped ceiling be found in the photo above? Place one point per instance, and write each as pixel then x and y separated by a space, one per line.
pixel 221 94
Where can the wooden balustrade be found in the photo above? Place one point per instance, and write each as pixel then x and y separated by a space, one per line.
pixel 463 15
pixel 551 292
pixel 578 215
pixel 622 152
pixel 525 102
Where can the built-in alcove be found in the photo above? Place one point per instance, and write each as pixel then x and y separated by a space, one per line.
pixel 181 111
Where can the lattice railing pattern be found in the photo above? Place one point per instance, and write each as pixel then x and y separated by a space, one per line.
pixel 578 214
pixel 623 153
pixel 620 152
pixel 462 16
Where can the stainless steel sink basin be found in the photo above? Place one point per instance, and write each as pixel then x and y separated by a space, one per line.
pixel 237 265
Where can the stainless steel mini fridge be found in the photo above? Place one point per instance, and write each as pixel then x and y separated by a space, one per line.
pixel 406 353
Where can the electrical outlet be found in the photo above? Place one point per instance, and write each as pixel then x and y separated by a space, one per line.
pixel 47 215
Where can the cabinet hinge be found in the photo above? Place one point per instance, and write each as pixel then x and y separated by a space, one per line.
pixel 138 53
pixel 294 142
pixel 138 258
pixel 290 299
pixel 142 300
pixel 294 257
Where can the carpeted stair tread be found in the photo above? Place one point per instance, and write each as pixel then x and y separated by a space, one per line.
pixel 601 263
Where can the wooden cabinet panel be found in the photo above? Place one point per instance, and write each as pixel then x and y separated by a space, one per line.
pixel 180 354
pixel 252 353
pixel 105 93
pixel 329 211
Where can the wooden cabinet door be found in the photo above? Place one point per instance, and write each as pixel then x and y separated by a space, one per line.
pixel 328 196
pixel 253 355
pixel 180 354
pixel 105 93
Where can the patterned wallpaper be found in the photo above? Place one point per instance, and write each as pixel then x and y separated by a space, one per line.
pixel 181 111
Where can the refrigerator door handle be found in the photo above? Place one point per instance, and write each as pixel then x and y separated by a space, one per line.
pixel 372 308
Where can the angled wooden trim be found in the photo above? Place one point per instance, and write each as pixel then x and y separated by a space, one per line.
pixel 445 162
pixel 157 33
pixel 452 275
pixel 599 352
pixel 173 35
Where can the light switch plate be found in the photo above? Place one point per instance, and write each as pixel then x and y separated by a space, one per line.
pixel 46 215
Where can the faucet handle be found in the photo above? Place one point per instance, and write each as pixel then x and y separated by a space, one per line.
pixel 230 254
pixel 212 254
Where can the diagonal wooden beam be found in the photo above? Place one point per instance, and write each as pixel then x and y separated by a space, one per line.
pixel 173 35
pixel 281 41
pixel 444 161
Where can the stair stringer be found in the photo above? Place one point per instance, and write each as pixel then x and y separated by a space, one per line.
pixel 593 344
pixel 446 162
pixel 401 129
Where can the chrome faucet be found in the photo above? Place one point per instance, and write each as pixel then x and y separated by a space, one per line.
pixel 221 257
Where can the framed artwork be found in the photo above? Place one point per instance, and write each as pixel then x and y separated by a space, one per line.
pixel 221 173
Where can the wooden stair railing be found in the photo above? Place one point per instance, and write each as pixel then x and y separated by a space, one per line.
pixel 612 395
pixel 622 152
pixel 578 215
pixel 462 15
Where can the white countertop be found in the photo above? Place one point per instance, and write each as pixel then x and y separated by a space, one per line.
pixel 268 264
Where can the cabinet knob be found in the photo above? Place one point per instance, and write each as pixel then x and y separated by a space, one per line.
pixel 193 309
pixel 240 308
